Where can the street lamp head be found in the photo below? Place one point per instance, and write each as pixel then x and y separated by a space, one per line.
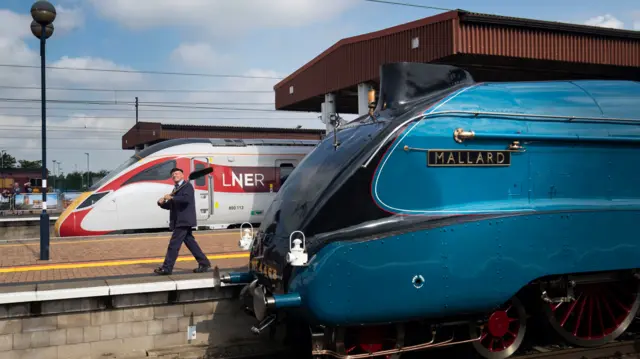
pixel 36 30
pixel 43 12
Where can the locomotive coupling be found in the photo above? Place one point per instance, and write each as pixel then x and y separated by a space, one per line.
pixel 281 301
pixel 264 303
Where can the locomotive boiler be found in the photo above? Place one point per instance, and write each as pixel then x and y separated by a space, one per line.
pixel 457 213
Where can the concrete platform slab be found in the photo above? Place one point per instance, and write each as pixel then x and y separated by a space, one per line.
pixel 70 290
pixel 18 294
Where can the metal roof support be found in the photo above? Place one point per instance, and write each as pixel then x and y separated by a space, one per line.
pixel 328 109
pixel 363 98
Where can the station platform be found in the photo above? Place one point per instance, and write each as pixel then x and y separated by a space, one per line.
pixel 98 297
pixel 111 256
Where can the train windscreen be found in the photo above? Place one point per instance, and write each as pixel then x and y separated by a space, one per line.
pixel 113 173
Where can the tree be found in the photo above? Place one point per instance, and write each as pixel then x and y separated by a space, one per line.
pixel 7 161
pixel 30 164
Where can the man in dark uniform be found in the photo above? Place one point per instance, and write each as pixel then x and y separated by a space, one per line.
pixel 182 218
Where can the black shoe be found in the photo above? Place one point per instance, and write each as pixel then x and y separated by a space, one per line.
pixel 161 271
pixel 202 269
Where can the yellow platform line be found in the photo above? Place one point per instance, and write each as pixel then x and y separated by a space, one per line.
pixel 116 263
pixel 117 239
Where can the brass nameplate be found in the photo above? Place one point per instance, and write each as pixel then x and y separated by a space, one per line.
pixel 475 158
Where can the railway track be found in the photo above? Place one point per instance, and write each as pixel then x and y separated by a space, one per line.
pixel 627 347
pixel 624 349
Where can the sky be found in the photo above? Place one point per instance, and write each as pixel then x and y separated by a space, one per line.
pixel 260 40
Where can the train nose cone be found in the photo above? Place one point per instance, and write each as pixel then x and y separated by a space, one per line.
pixel 66 227
pixel 66 224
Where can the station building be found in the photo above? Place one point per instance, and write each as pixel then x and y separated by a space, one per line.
pixel 345 77
pixel 145 134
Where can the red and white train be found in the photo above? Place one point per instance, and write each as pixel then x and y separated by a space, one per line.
pixel 246 175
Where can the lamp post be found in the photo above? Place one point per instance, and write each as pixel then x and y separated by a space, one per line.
pixel 88 172
pixel 54 175
pixel 43 14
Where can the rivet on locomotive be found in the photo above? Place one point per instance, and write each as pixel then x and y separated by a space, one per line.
pixel 456 213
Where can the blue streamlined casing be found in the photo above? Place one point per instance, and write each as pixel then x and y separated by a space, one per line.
pixel 560 207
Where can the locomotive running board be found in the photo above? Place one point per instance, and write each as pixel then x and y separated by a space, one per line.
pixel 428 345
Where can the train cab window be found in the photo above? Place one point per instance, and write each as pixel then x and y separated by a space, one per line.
pixel 159 172
pixel 202 180
pixel 285 171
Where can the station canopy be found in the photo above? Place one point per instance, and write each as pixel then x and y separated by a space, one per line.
pixel 490 47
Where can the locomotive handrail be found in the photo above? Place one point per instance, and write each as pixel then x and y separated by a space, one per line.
pixel 511 114
pixel 460 136
pixel 499 114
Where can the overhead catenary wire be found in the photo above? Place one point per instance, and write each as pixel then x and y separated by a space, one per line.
pixel 410 5
pixel 73 149
pixel 148 103
pixel 79 116
pixel 164 104
pixel 149 72
pixel 163 110
pixel 49 88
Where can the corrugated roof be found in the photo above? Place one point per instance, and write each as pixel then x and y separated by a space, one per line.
pixel 468 16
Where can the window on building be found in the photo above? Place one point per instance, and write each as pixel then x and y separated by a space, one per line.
pixel 7 183
pixel 285 171
pixel 159 172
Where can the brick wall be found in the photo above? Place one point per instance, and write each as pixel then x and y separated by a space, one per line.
pixel 122 332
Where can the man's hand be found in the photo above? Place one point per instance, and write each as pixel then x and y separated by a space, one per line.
pixel 167 197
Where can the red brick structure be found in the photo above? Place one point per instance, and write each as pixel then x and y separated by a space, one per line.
pixel 490 47
pixel 147 133
pixel 9 176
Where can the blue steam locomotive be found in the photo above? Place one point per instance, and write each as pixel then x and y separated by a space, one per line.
pixel 456 213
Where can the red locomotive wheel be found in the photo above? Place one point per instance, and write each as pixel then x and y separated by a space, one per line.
pixel 503 332
pixel 600 313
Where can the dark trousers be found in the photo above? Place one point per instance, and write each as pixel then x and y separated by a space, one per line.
pixel 183 234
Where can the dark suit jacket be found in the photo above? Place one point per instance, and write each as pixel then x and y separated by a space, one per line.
pixel 182 208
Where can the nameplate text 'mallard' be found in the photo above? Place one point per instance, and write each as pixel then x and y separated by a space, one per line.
pixel 477 158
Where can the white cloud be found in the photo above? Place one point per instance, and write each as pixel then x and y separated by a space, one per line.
pixel 217 16
pixel 636 18
pixel 14 26
pixel 20 130
pixel 198 55
pixel 67 19
pixel 18 26
pixel 99 129
pixel 104 79
pixel 607 20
